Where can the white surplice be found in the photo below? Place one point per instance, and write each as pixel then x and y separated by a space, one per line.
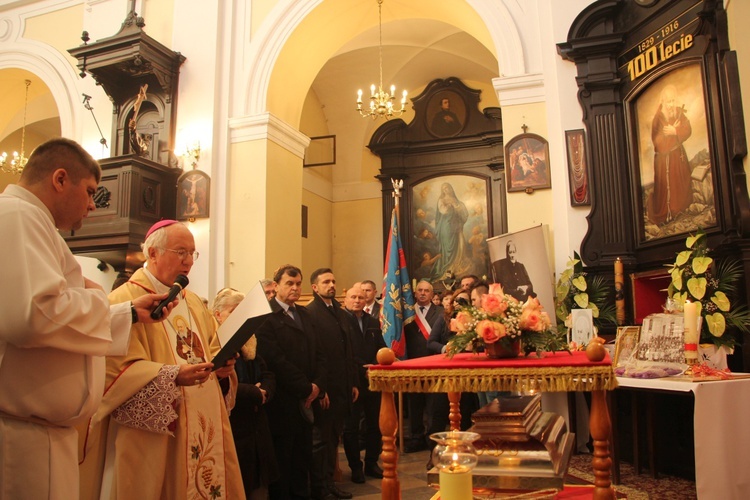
pixel 54 334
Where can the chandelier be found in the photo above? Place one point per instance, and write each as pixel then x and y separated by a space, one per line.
pixel 15 164
pixel 381 102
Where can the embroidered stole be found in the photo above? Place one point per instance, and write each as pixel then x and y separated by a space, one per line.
pixel 203 423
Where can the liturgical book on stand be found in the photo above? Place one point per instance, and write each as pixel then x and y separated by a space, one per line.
pixel 241 324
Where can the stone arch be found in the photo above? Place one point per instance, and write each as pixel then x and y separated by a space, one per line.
pixel 269 43
pixel 56 73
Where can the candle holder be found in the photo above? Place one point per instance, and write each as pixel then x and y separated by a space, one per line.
pixel 455 457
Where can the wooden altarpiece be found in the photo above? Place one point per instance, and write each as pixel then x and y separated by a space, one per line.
pixel 631 56
pixel 450 145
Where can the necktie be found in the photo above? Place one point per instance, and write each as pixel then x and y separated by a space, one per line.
pixel 292 311
pixel 421 308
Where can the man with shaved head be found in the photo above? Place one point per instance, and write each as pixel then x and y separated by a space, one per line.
pixel 366 341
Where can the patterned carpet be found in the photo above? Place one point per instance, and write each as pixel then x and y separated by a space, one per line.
pixel 638 486
pixel 413 478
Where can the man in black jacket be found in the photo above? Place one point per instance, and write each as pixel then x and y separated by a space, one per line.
pixel 288 341
pixel 366 341
pixel 335 335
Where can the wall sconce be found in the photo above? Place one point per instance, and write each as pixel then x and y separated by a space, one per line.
pixel 192 154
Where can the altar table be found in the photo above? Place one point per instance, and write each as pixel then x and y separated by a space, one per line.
pixel 720 428
pixel 467 372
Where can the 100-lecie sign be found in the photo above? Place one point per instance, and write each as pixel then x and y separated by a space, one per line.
pixel 657 54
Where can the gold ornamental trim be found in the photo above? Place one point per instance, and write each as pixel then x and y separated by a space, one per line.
pixel 542 379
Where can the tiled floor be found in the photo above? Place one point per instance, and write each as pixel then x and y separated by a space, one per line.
pixel 412 475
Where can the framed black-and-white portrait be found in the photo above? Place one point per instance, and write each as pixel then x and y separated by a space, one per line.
pixel 521 264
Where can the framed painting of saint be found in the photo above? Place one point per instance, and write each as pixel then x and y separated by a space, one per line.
pixel 671 153
pixel 449 221
pixel 193 191
pixel 527 163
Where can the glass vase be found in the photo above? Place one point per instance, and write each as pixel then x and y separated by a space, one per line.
pixel 455 457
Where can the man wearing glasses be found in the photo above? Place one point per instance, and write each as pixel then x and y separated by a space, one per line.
pixel 169 433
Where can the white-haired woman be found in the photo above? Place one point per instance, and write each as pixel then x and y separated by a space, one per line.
pixel 252 436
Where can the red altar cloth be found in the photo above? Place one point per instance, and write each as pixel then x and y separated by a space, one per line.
pixel 468 372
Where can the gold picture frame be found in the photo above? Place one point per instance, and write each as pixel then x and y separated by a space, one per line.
pixel 626 343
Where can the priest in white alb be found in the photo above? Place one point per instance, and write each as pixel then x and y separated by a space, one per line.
pixel 56 325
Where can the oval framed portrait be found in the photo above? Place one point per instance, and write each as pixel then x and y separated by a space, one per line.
pixel 446 114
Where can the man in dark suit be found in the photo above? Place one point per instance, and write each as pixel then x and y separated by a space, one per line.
pixel 334 332
pixel 372 307
pixel 417 332
pixel 288 341
pixel 366 341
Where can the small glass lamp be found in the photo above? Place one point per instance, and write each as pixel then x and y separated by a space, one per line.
pixel 455 457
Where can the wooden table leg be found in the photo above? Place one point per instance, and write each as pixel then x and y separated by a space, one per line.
pixel 390 486
pixel 454 414
pixel 601 427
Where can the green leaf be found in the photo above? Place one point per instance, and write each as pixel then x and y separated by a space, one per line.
pixel 690 241
pixel 677 278
pixel 683 257
pixel 566 275
pixel 594 309
pixel 700 264
pixel 571 263
pixel 582 299
pixel 721 300
pixel 580 283
pixel 680 298
pixel 716 324
pixel 697 287
pixel 562 290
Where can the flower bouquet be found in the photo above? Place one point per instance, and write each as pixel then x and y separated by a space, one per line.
pixel 699 278
pixel 503 320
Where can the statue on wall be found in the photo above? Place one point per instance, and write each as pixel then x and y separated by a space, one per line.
pixel 139 143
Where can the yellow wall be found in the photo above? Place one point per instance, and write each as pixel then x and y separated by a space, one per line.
pixel 357 241
pixel 314 124
pixel 246 214
pixel 283 208
pixel 317 248
pixel 159 17
pixel 529 210
pixel 61 29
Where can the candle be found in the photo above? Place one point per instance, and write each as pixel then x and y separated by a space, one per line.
pixel 691 322
pixel 619 292
pixel 455 483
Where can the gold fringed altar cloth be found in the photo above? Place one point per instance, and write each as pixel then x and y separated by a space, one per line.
pixel 468 372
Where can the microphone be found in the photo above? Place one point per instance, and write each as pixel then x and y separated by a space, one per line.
pixel 180 282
